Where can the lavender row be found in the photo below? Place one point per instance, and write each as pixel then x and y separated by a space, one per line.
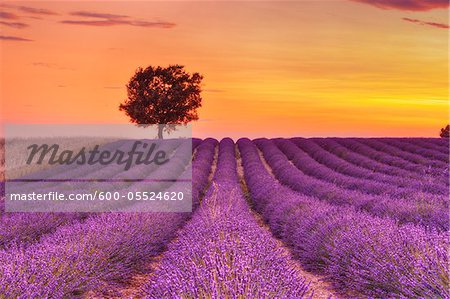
pixel 438 142
pixel 428 143
pixel 428 211
pixel 328 167
pixel 106 248
pixel 16 147
pixel 202 167
pixel 61 169
pixel 195 142
pixel 22 229
pixel 358 252
pixel 301 141
pixel 27 228
pixel 388 159
pixel 83 256
pixel 72 187
pixel 110 171
pixel 392 150
pixel 222 252
pixel 391 172
pixel 413 148
pixel 178 161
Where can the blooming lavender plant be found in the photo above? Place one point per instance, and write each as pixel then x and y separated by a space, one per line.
pixel 391 173
pixel 328 167
pixel 23 229
pixel 428 211
pixel 370 215
pixel 222 252
pixel 106 248
pixel 111 171
pixel 432 154
pixel 395 151
pixel 371 255
pixel 383 157
pixel 428 143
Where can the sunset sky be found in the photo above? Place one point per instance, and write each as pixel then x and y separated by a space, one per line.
pixel 303 68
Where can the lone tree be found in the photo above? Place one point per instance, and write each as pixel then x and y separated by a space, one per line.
pixel 163 96
pixel 445 132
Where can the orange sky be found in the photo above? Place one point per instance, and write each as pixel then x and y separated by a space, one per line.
pixel 305 68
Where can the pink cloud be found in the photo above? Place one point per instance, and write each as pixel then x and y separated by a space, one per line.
pixel 36 11
pixel 8 15
pixel 17 25
pixel 14 38
pixel 412 5
pixel 95 23
pixel 89 14
pixel 106 19
pixel 28 10
pixel 102 23
pixel 434 24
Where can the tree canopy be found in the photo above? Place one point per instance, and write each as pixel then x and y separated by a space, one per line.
pixel 163 96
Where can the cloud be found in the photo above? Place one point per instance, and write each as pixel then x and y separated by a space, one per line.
pixel 88 14
pixel 153 24
pixel 44 64
pixel 8 15
pixel 37 11
pixel 413 5
pixel 15 38
pixel 17 25
pixel 51 66
pixel 99 23
pixel 106 19
pixel 115 22
pixel 30 10
pixel 419 22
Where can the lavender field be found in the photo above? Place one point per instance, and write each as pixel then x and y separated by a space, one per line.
pixel 272 218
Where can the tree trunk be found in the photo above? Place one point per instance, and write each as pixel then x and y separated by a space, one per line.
pixel 160 131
